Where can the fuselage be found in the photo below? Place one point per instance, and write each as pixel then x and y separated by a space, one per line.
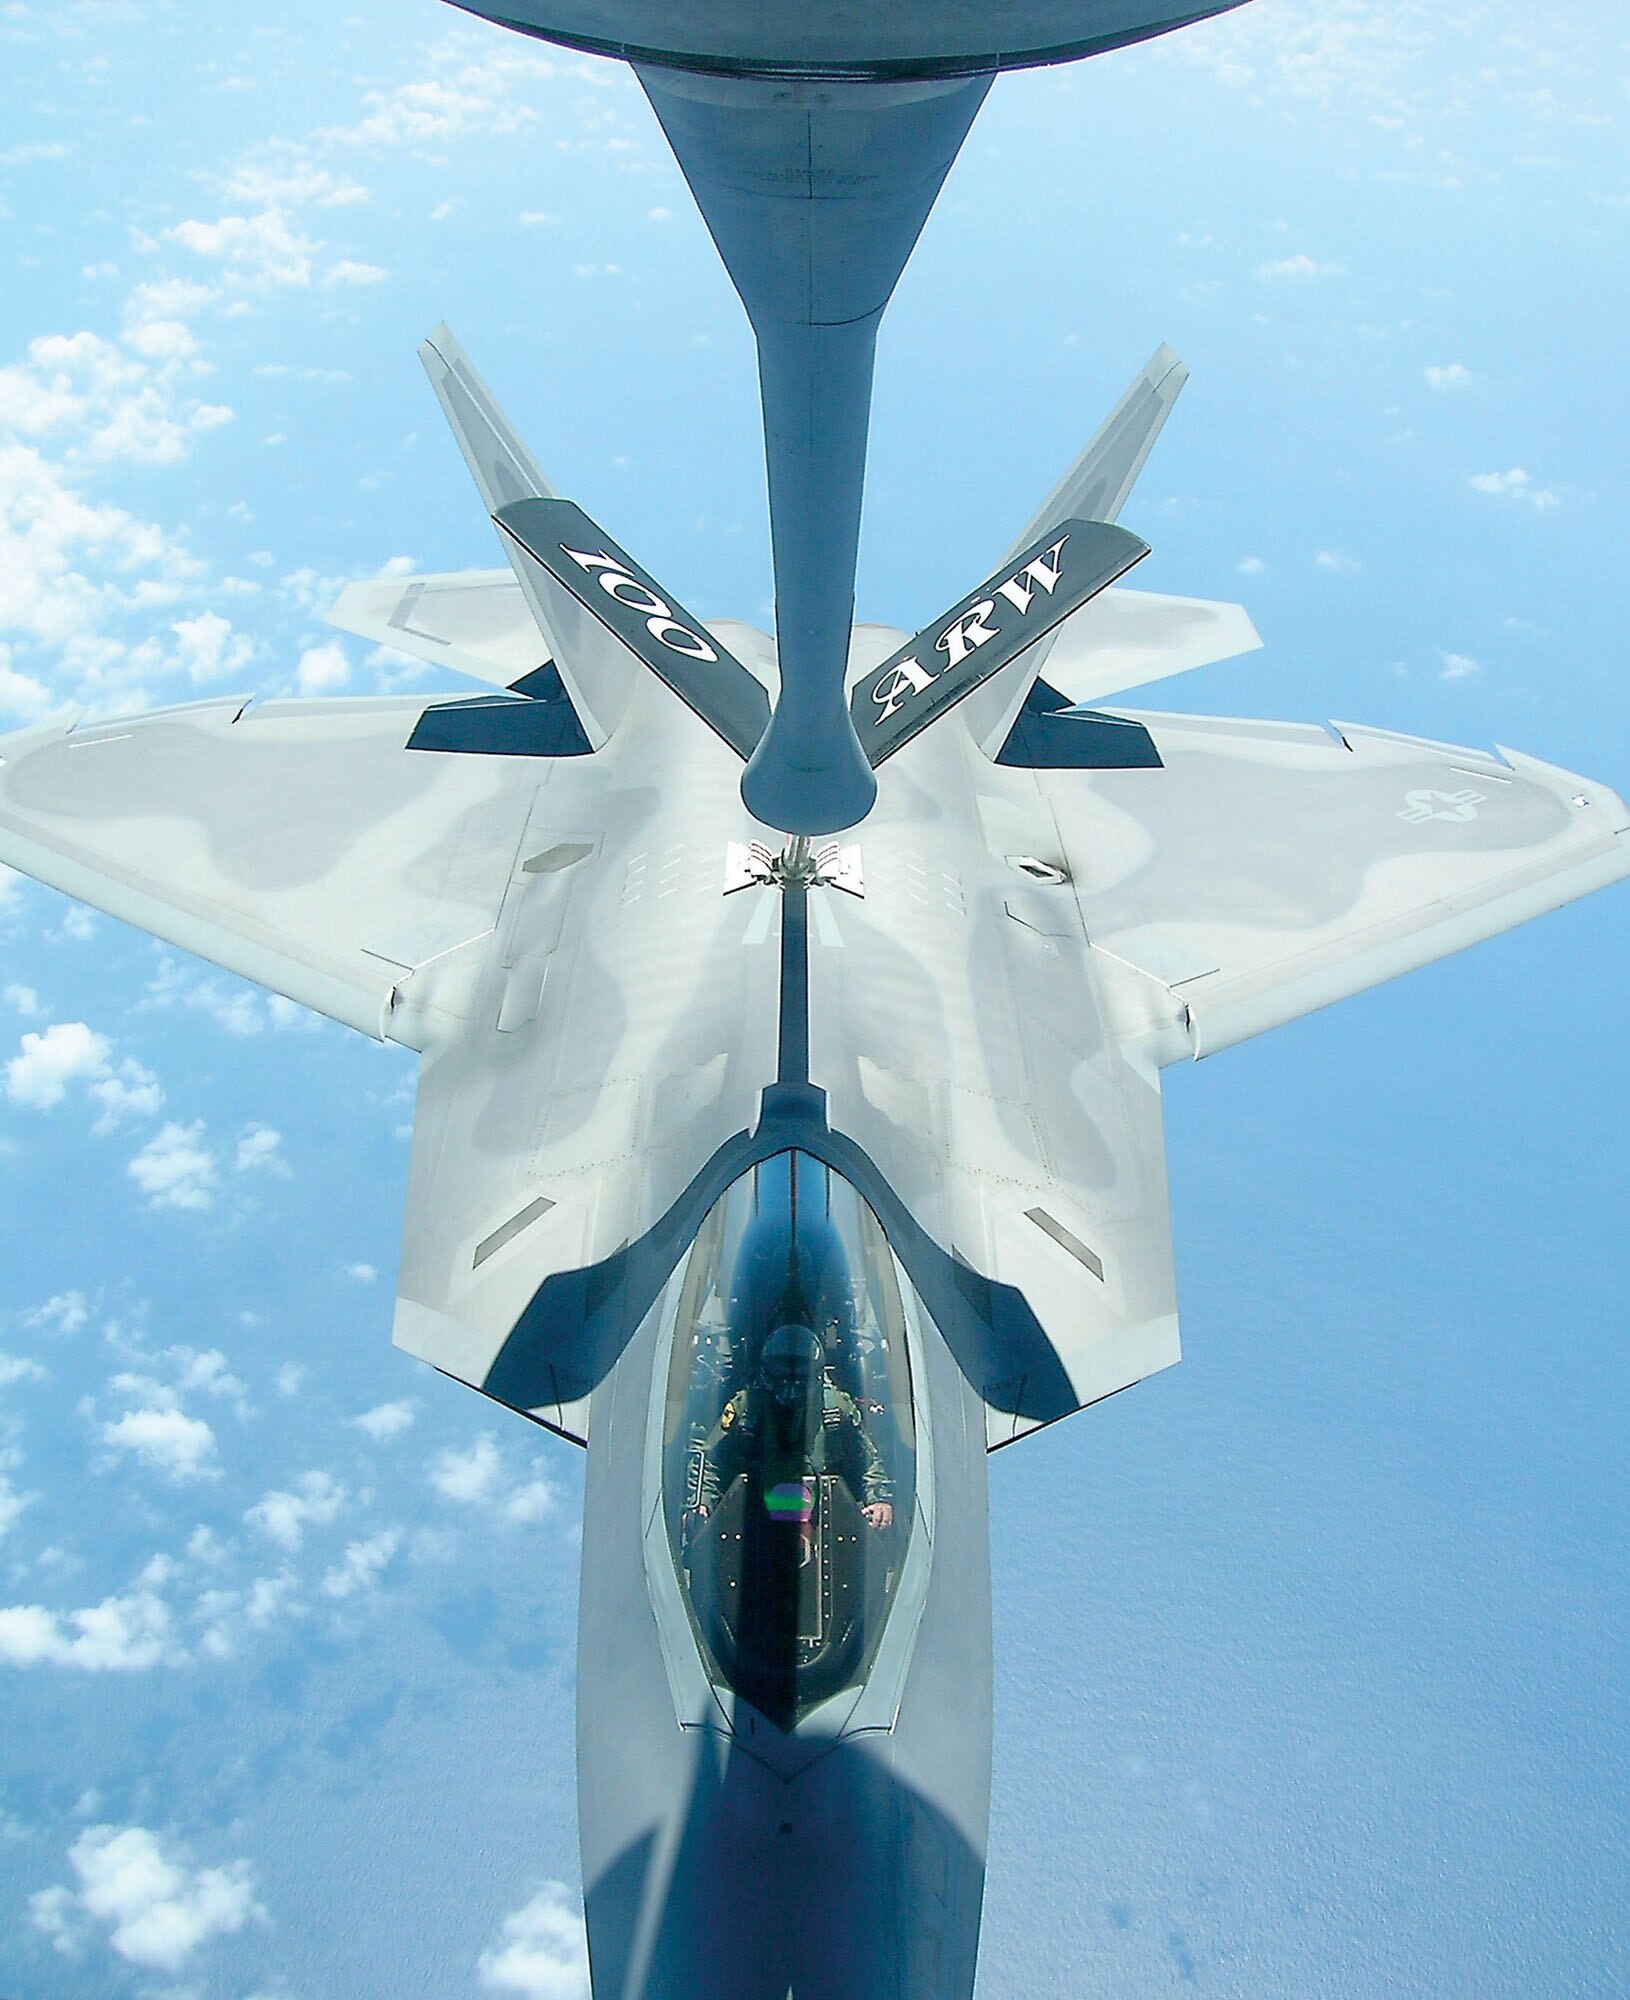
pixel 783 1709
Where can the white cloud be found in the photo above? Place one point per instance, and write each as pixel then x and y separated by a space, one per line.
pixel 120 1635
pixel 1299 266
pixel 1454 375
pixel 530 1502
pixel 23 1000
pixel 63 1312
pixel 260 250
pixel 349 272
pixel 543 1953
pixel 323 667
pixel 1250 565
pixel 284 177
pixel 361 1565
pixel 157 1911
pixel 290 1378
pixel 362 1274
pixel 12 1504
pixel 285 1516
pixel 468 1476
pixel 260 1152
pixel 47 1063
pixel 174 1169
pixel 462 96
pixel 207 648
pixel 179 1447
pixel 478 1477
pixel 1337 561
pixel 386 1421
pixel 17 1368
pixel 129 1092
pixel 1458 667
pixel 231 1004
pixel 1515 485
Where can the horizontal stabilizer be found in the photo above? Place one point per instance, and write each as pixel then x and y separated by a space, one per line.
pixel 583 563
pixel 475 621
pixel 1051 578
pixel 1128 638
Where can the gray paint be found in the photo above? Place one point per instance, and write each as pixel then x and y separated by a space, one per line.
pixel 847 38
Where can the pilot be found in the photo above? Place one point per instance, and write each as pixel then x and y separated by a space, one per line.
pixel 794 1409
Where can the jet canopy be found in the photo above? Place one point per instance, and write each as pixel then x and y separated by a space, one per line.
pixel 789 1437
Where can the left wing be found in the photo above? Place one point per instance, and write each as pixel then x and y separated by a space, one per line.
pixel 1270 868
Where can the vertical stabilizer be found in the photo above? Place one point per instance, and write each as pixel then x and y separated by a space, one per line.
pixel 1098 484
pixel 501 466
pixel 598 670
pixel 1094 489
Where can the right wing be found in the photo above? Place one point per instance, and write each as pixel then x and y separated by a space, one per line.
pixel 1271 868
pixel 299 844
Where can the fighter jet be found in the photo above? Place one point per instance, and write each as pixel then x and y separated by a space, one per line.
pixel 791 1176
pixel 791 1012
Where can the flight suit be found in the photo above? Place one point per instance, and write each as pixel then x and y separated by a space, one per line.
pixel 750 1429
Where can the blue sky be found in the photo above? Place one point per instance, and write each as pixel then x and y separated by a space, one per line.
pixel 1311 1652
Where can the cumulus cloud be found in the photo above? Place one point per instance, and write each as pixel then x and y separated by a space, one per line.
pixel 361 1565
pixel 263 250
pixel 386 1421
pixel 322 668
pixel 1452 376
pixel 67 1052
pixel 122 1634
pixel 22 1000
pixel 466 1477
pixel 12 1504
pixel 175 1169
pixel 260 1152
pixel 178 1447
pixel 285 1516
pixel 462 96
pixel 207 648
pixel 63 1312
pixel 1299 266
pixel 157 1911
pixel 1515 485
pixel 477 1477
pixel 349 272
pixel 230 1003
pixel 40 1073
pixel 1458 667
pixel 543 1951
pixel 1337 561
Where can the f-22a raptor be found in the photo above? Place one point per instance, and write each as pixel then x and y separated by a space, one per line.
pixel 791 1176
pixel 790 1019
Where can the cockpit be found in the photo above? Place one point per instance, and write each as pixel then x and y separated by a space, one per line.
pixel 789 1440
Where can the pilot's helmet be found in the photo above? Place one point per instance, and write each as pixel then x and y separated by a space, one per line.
pixel 791 1360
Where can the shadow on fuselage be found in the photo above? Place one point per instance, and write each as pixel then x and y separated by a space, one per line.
pixel 844 1884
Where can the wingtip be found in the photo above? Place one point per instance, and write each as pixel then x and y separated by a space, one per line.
pixel 1164 365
